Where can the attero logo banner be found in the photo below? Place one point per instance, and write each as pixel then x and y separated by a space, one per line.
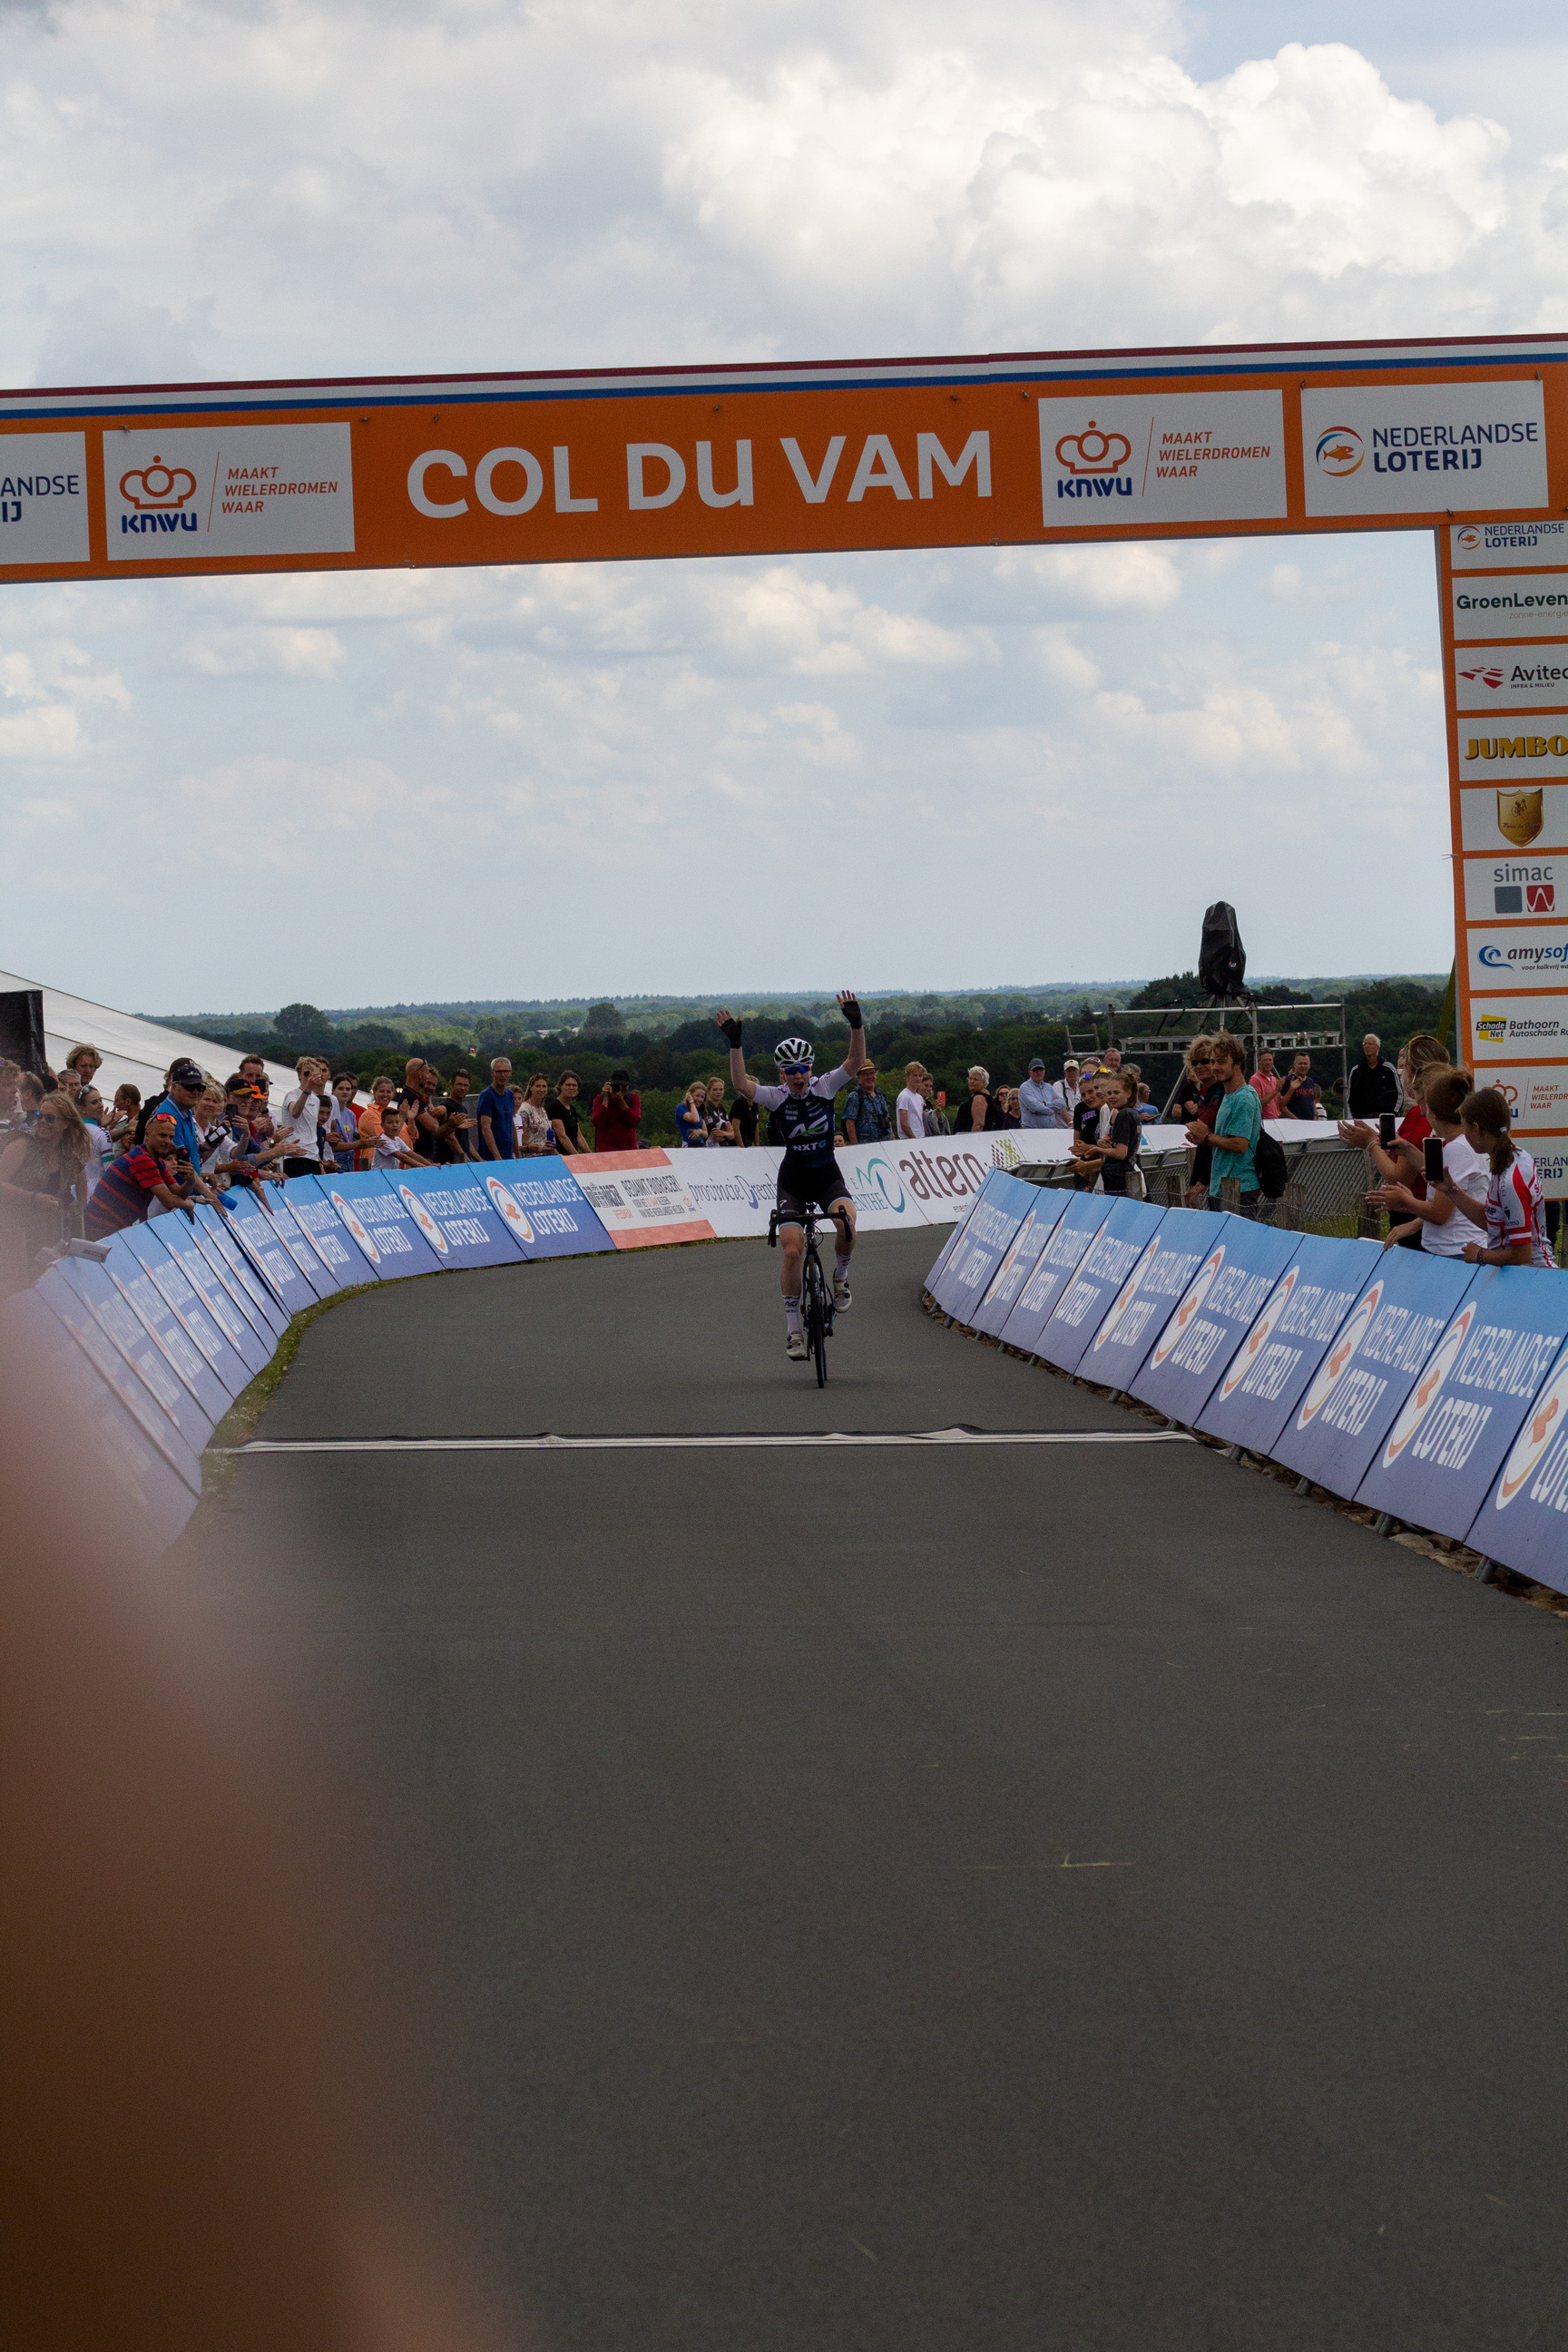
pixel 1500 605
pixel 1515 886
pixel 1507 546
pixel 1533 955
pixel 1510 677
pixel 1407 448
pixel 228 490
pixel 43 498
pixel 1215 456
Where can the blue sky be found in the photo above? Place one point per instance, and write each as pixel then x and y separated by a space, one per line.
pixel 933 770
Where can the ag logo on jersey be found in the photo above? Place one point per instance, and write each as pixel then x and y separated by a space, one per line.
pixel 1338 1356
pixel 356 1227
pixel 423 1219
pixel 507 1202
pixel 1252 1347
pixel 1423 1395
pixel 1197 1291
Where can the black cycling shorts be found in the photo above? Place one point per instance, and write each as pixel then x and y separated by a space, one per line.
pixel 821 1186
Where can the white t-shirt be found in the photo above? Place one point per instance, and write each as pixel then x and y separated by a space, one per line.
pixel 297 1130
pixel 912 1107
pixel 1468 1171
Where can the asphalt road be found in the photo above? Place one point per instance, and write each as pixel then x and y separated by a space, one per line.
pixel 1075 1899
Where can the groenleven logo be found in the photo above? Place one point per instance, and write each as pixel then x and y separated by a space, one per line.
pixel 346 1213
pixel 1547 1416
pixel 424 1220
pixel 1252 1347
pixel 1197 1291
pixel 156 488
pixel 1340 451
pixel 1327 1375
pixel 1125 1296
pixel 1093 451
pixel 510 1207
pixel 1423 1395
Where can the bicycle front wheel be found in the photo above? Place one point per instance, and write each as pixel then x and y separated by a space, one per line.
pixel 816 1316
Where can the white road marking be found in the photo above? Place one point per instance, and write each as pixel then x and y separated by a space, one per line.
pixel 552 1445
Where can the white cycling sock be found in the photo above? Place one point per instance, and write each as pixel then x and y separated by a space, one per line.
pixel 792 1313
pixel 841 1265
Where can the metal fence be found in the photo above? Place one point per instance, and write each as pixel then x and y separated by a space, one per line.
pixel 1325 1192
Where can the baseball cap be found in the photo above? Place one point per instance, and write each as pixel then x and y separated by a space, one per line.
pixel 185 1073
pixel 1036 1064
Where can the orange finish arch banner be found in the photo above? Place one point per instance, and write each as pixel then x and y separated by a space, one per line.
pixel 1466 437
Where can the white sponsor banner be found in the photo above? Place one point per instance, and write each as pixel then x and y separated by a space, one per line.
pixel 1536 1099
pixel 1515 886
pixel 1411 448
pixel 1189 457
pixel 1510 677
pixel 1485 605
pixel 1523 954
pixel 229 490
pixel 883 1191
pixel 1506 546
pixel 634 1191
pixel 1503 753
pixel 43 498
pixel 1514 1028
pixel 944 1172
pixel 734 1190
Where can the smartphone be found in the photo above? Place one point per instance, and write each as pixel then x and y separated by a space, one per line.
pixel 1386 1124
pixel 1432 1156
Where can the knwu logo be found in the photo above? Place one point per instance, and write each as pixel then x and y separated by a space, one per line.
pixel 159 493
pixel 1093 461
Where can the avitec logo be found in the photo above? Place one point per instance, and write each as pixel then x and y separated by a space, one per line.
pixel 507 1202
pixel 1257 1339
pixel 1125 1296
pixel 1548 1417
pixel 1423 1395
pixel 1338 1356
pixel 424 1220
pixel 346 1213
pixel 1491 676
pixel 1197 1291
pixel 1340 451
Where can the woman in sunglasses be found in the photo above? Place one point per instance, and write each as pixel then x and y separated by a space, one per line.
pixel 43 1186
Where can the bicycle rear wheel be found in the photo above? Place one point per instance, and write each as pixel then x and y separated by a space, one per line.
pixel 816 1316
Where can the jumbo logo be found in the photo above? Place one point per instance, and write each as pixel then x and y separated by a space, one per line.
pixel 508 1204
pixel 1340 451
pixel 1129 1291
pixel 356 1227
pixel 1256 1339
pixel 1197 1291
pixel 159 493
pixel 1094 461
pixel 1423 1395
pixel 1338 1356
pixel 423 1219
pixel 1550 1413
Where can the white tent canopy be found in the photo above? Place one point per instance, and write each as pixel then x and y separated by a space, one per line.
pixel 135 1053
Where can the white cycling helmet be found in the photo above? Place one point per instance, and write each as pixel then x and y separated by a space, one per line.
pixel 793 1049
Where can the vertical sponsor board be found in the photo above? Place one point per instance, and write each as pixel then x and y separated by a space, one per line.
pixel 1019 1259
pixel 1150 1296
pixel 1524 1520
pixel 1450 1438
pixel 1378 1354
pixel 248 1284
pixel 1124 1244
pixel 1262 1384
pixel 1065 1248
pixel 1225 1296
pixel 988 1230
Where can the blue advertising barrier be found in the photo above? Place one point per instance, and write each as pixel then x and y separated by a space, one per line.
pixel 177 1235
pixel 330 1236
pixel 122 1324
pixel 380 1223
pixel 546 1210
pixel 1524 1520
pixel 1017 1263
pixel 185 1304
pixel 1147 1299
pixel 250 1287
pixel 121 1448
pixel 324 1278
pixel 181 1352
pixel 1108 1264
pixel 1213 1316
pixel 1005 1200
pixel 151 1415
pixel 1054 1268
pixel 1451 1435
pixel 956 1235
pixel 1378 1355
pixel 255 1226
pixel 458 1217
pixel 1261 1386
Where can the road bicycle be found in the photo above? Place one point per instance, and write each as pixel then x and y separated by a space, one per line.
pixel 816 1294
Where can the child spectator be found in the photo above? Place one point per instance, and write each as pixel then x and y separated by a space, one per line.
pixel 1433 1214
pixel 343 1121
pixel 721 1128
pixel 1514 1209
pixel 1116 1154
pixel 1237 1124
pixel 692 1117
pixel 534 1135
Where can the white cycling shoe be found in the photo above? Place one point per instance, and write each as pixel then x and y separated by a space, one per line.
pixel 794 1346
pixel 841 1295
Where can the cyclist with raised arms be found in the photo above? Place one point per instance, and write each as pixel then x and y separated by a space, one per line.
pixel 803 1107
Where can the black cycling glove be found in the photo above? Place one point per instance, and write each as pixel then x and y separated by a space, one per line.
pixel 732 1029
pixel 851 1011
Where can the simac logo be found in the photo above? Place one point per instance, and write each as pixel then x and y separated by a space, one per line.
pixel 1340 451
pixel 1541 897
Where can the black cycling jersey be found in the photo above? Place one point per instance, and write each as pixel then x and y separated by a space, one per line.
pixel 804 1123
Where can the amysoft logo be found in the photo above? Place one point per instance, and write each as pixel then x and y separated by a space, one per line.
pixel 1338 1356
pixel 1547 1417
pixel 1490 676
pixel 1423 1395
pixel 424 1220
pixel 157 488
pixel 1257 1339
pixel 1197 1291
pixel 1125 1296
pixel 507 1204
pixel 1340 451
pixel 1093 451
pixel 346 1213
